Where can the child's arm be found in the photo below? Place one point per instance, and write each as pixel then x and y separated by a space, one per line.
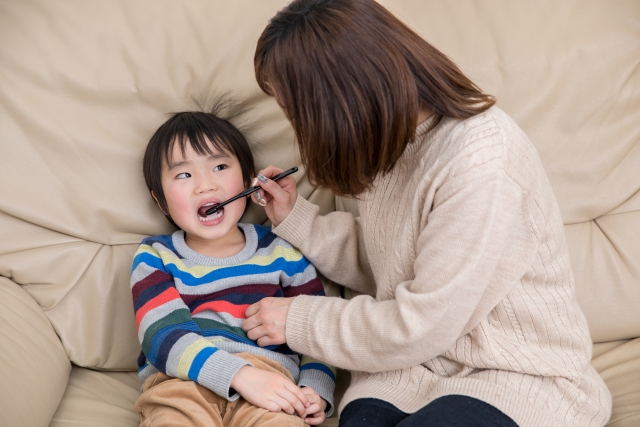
pixel 173 343
pixel 301 279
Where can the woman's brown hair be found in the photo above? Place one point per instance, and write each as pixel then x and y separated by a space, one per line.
pixel 352 78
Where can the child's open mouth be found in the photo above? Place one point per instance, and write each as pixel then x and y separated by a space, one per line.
pixel 202 212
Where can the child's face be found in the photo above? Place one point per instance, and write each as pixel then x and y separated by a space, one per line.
pixel 193 181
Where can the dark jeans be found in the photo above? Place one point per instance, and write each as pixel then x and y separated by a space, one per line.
pixel 446 411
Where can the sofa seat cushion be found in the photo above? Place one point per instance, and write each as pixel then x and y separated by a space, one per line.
pixel 98 399
pixel 619 365
pixel 105 399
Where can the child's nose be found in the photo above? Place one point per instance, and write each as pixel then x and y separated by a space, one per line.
pixel 205 184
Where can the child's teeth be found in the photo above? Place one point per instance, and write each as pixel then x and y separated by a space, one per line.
pixel 212 216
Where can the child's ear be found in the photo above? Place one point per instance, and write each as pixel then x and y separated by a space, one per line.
pixel 157 202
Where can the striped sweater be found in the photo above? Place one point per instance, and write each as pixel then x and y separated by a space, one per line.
pixel 189 309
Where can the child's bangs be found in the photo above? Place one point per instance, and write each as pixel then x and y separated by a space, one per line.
pixel 202 141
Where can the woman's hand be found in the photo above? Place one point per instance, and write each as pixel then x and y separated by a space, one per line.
pixel 266 319
pixel 270 391
pixel 277 198
pixel 315 412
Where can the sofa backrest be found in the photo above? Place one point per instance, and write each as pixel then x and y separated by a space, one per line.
pixel 85 84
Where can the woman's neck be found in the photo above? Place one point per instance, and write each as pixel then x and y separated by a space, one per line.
pixel 424 114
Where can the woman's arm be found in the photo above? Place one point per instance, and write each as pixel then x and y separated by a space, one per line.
pixel 333 243
pixel 474 246
pixel 478 243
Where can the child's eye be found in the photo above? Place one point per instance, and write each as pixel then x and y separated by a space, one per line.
pixel 183 175
pixel 219 168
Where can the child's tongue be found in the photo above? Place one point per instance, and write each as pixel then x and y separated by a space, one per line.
pixel 203 210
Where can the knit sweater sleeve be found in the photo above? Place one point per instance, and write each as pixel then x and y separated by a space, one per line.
pixel 475 243
pixel 330 242
pixel 171 341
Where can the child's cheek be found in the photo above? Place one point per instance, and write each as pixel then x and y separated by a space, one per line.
pixel 177 202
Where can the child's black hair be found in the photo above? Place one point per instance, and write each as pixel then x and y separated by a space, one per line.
pixel 195 128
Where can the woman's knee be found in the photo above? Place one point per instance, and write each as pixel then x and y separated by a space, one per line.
pixel 456 410
pixel 370 412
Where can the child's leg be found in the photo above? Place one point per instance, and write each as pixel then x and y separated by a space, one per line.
pixel 172 402
pixel 242 413
pixel 245 414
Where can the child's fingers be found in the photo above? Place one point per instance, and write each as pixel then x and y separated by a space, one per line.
pixel 314 408
pixel 315 419
pixel 295 403
pixel 298 392
pixel 284 404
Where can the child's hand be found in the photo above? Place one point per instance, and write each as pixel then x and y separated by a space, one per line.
pixel 315 412
pixel 270 391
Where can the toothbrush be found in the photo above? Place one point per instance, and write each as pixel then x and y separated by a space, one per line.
pixel 248 192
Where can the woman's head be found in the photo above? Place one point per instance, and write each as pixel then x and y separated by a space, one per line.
pixel 352 79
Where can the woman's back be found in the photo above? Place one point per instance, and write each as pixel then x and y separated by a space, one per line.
pixel 466 235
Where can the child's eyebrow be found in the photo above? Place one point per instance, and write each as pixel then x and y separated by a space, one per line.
pixel 215 156
pixel 220 155
pixel 176 165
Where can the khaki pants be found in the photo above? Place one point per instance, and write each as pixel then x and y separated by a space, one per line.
pixel 172 402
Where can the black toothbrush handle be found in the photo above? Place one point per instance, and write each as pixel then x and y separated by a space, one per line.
pixel 249 191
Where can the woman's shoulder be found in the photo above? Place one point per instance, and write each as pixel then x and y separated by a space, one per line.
pixel 487 142
pixel 492 127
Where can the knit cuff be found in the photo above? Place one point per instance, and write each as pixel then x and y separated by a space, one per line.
pixel 217 372
pixel 321 383
pixel 297 330
pixel 296 227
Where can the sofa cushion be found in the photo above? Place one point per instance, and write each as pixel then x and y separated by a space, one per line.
pixel 106 399
pixel 98 399
pixel 33 364
pixel 618 363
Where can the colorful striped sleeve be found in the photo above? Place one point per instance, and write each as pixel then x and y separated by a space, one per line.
pixel 171 341
pixel 304 280
pixel 320 377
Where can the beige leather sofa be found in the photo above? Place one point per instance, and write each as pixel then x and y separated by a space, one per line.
pixel 83 85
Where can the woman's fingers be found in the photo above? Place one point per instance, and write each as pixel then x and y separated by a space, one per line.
pixel 278 198
pixel 251 311
pixel 275 189
pixel 267 340
pixel 259 196
pixel 266 320
pixel 257 333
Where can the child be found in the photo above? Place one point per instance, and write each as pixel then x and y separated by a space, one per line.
pixel 191 289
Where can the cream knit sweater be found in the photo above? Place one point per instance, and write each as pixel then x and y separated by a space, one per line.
pixel 462 251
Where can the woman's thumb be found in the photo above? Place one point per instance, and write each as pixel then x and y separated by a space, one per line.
pixel 272 187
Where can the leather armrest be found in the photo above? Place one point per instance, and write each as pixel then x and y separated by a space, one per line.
pixel 33 364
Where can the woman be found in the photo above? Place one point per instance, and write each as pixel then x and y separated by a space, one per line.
pixel 469 315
